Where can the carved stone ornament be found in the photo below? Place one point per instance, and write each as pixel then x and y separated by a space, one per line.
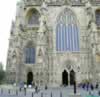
pixel 42 27
pixel 68 66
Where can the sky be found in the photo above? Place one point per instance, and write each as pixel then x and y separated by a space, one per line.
pixel 7 14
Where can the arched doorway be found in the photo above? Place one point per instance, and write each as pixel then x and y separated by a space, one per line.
pixel 29 78
pixel 72 77
pixel 65 78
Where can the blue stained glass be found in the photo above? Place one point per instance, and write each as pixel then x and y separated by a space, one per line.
pixel 98 18
pixel 60 41
pixel 57 38
pixel 64 38
pixel 77 38
pixel 30 55
pixel 67 38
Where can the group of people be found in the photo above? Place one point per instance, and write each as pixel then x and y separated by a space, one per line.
pixel 89 86
pixel 24 86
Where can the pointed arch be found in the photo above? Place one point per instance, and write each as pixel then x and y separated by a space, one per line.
pixel 72 77
pixel 67 32
pixel 32 16
pixel 29 78
pixel 65 77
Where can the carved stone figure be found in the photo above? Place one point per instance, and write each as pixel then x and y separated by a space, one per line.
pixel 42 29
pixel 91 16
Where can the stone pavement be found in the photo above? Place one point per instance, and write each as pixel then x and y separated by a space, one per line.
pixel 51 92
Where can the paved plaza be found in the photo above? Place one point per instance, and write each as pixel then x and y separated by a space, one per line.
pixel 51 92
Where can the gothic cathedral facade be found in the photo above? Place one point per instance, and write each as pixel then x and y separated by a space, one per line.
pixel 55 42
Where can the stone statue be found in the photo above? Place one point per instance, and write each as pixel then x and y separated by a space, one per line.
pixel 89 10
pixel 43 26
pixel 13 57
pixel 90 14
pixel 43 17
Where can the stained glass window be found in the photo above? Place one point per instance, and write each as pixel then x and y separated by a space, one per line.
pixel 30 55
pixel 98 18
pixel 67 32
pixel 33 17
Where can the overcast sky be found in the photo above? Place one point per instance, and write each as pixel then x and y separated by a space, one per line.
pixel 7 14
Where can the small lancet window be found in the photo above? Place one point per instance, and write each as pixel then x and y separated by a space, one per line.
pixel 30 54
pixel 33 17
pixel 98 18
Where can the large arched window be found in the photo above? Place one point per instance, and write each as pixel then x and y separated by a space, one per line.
pixel 30 54
pixel 33 17
pixel 98 18
pixel 67 32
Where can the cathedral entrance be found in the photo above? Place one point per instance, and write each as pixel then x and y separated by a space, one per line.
pixel 29 78
pixel 65 78
pixel 72 77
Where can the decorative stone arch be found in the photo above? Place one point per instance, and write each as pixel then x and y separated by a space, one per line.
pixel 70 10
pixel 30 43
pixel 69 65
pixel 65 69
pixel 35 18
pixel 65 77
pixel 71 25
pixel 30 78
pixel 29 75
pixel 72 77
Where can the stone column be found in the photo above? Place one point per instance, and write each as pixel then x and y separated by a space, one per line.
pixel 42 45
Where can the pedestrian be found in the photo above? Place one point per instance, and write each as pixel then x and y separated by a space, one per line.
pixel 83 86
pixel 99 92
pixel 97 86
pixel 87 86
pixel 46 87
pixel 74 87
pixel 36 89
pixel 92 87
pixel 25 87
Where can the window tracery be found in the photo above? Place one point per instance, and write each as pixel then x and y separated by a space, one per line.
pixel 67 32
